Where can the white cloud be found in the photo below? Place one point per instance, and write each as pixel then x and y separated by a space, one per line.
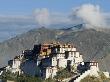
pixel 91 14
pixel 42 17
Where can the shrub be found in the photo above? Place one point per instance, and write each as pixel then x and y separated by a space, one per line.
pixel 64 73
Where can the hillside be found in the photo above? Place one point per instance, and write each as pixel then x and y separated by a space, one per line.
pixel 91 43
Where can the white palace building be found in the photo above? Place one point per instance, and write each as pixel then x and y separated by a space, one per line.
pixel 45 60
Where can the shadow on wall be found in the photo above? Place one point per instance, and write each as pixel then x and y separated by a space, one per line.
pixel 29 67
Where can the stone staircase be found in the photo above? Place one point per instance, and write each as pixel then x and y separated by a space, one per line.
pixel 1 72
pixel 83 75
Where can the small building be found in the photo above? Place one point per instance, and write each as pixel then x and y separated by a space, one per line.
pixel 49 72
pixel 14 65
pixel 92 65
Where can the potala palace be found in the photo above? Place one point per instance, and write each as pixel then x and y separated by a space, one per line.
pixel 45 60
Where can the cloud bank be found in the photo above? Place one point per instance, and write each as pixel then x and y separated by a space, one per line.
pixel 86 13
pixel 91 14
pixel 12 25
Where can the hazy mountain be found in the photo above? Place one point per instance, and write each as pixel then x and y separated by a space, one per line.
pixel 91 43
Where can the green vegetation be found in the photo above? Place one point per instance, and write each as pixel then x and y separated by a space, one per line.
pixel 74 68
pixel 90 79
pixel 101 78
pixel 64 73
pixel 22 78
pixel 8 76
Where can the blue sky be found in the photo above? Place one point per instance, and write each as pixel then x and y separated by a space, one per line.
pixel 17 16
pixel 28 6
